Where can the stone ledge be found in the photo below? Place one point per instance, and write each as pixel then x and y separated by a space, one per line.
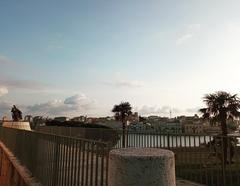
pixel 17 125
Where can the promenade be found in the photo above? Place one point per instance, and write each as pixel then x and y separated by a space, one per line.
pixel 63 160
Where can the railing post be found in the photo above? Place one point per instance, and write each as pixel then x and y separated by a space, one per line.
pixel 168 142
pixel 56 161
pixel 127 138
pixel 123 138
pixel 224 160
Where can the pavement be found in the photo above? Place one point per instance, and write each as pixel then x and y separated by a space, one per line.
pixel 186 183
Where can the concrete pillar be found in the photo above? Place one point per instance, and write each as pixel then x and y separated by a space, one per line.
pixel 141 167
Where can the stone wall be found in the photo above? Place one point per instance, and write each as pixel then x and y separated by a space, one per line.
pixel 17 124
pixel 12 173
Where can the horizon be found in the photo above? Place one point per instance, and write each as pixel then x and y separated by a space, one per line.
pixel 82 58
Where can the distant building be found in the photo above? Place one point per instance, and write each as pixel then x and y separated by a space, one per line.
pixel 193 128
pixel 80 119
pixel 39 121
pixel 62 118
pixel 28 118
pixel 191 124
pixel 152 119
pixel 211 129
pixel 92 120
pixel 4 118
pixel 171 127
pixel 133 118
pixel 140 126
pixel 111 123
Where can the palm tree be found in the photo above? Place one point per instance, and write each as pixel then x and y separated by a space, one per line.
pixel 122 112
pixel 221 106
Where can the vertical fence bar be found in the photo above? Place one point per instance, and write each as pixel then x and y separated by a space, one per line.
pixel 87 164
pixel 102 165
pixel 91 167
pixel 70 161
pixel 79 162
pixel 96 166
pixel 83 163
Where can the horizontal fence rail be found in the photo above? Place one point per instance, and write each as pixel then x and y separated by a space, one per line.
pixel 59 160
pixel 67 159
pixel 109 136
pixel 198 158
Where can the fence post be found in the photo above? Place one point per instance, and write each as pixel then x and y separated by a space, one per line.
pixel 56 161
pixel 168 143
pixel 223 162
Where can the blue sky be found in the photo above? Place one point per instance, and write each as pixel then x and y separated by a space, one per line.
pixel 60 57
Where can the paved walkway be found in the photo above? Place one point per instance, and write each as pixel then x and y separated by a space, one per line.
pixel 187 183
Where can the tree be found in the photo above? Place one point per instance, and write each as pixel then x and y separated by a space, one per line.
pixel 221 106
pixel 232 125
pixel 122 112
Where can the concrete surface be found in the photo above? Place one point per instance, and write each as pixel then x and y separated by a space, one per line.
pixel 141 167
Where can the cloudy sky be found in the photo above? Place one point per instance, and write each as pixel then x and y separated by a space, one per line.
pixel 74 57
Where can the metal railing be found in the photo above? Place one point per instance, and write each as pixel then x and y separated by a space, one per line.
pixel 109 136
pixel 160 140
pixel 59 160
pixel 66 160
pixel 199 158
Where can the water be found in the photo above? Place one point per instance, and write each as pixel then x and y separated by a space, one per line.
pixel 164 141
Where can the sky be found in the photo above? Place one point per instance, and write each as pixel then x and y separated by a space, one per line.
pixel 79 57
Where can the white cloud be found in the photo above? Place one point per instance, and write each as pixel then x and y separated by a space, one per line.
pixel 194 27
pixel 5 108
pixel 71 106
pixel 3 90
pixel 153 110
pixel 5 60
pixel 56 43
pixel 194 110
pixel 184 38
pixel 190 32
pixel 21 84
pixel 126 84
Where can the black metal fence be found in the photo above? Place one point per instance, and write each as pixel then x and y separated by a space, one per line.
pixel 66 160
pixel 198 158
pixel 59 160
pixel 109 136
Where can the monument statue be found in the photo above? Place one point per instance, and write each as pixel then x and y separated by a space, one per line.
pixel 16 114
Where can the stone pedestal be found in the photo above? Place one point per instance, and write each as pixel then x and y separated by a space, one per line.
pixel 141 167
pixel 17 124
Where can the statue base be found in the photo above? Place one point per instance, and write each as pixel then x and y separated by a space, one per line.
pixel 24 125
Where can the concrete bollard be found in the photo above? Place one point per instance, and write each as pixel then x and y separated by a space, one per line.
pixel 141 167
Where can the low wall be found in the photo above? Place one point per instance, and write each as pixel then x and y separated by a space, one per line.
pixel 17 124
pixel 11 172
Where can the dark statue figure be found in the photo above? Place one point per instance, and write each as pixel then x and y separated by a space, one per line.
pixel 16 114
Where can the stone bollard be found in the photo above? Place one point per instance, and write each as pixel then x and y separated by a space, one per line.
pixel 141 167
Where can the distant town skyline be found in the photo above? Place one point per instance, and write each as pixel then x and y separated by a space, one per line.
pixel 82 57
